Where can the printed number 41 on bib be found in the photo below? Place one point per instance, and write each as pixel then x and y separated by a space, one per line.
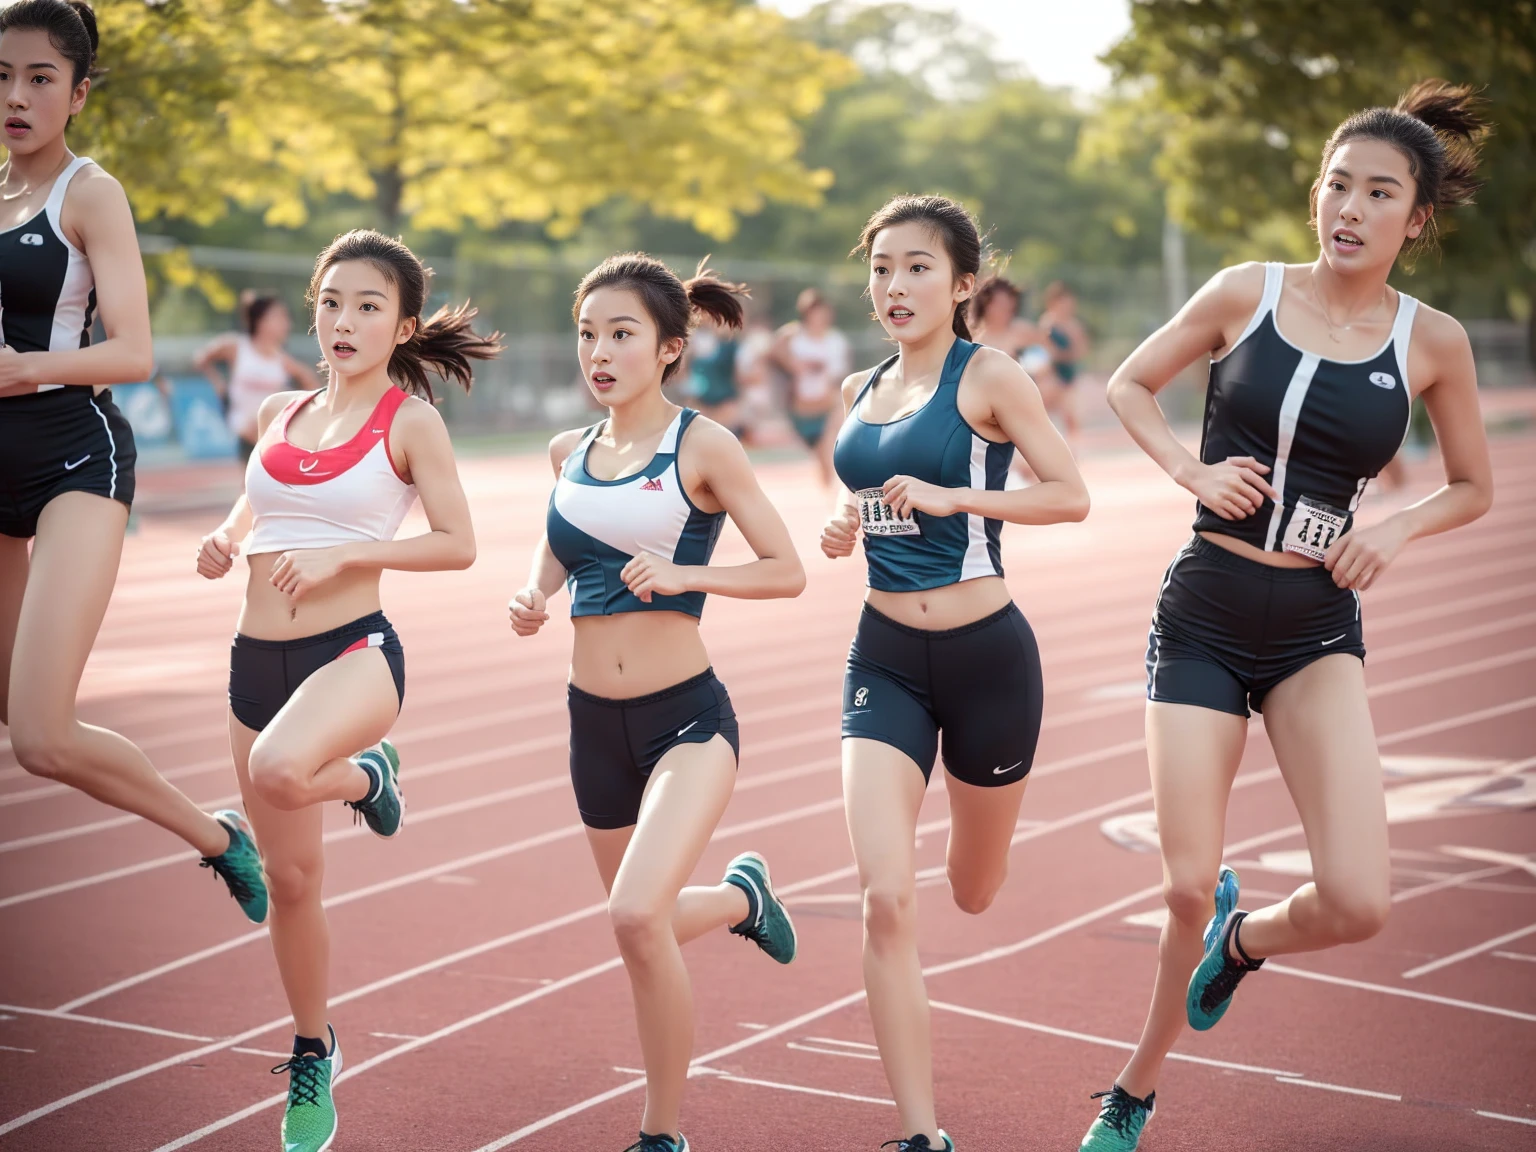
pixel 1313 528
pixel 877 518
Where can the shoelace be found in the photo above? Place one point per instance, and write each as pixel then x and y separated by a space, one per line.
pixel 238 888
pixel 1119 1110
pixel 911 1145
pixel 653 1144
pixel 304 1083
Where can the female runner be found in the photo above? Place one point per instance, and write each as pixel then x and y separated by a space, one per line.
pixel 67 243
pixel 941 654
pixel 316 672
pixel 639 501
pixel 816 355
pixel 1314 369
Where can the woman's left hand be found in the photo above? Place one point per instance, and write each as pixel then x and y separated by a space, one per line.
pixel 648 575
pixel 15 377
pixel 907 494
pixel 1359 557
pixel 300 572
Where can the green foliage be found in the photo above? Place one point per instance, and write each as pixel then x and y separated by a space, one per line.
pixel 1242 95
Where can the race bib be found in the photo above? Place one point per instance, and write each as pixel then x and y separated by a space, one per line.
pixel 1313 528
pixel 877 519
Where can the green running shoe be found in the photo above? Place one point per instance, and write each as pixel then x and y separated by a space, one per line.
pixel 385 809
pixel 649 1143
pixel 772 930
pixel 1122 1118
pixel 1216 977
pixel 919 1143
pixel 309 1123
pixel 1226 904
pixel 239 866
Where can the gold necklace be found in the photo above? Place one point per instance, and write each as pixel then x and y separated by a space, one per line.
pixel 1323 308
pixel 27 191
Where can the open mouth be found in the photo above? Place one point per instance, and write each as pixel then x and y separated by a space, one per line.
pixel 343 349
pixel 16 126
pixel 1347 240
pixel 899 313
pixel 604 379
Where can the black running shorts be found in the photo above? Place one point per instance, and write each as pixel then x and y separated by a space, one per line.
pixel 1227 629
pixel 62 440
pixel 977 689
pixel 263 674
pixel 616 744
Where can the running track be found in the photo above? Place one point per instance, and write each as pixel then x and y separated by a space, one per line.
pixel 476 988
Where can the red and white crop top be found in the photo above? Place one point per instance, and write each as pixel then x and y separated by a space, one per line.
pixel 340 495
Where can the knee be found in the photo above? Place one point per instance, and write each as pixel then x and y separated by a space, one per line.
pixel 974 894
pixel 1348 918
pixel 278 777
pixel 294 882
pixel 40 752
pixel 890 911
pixel 639 928
pixel 1190 902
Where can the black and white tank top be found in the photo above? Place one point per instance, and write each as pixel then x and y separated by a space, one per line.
pixel 1325 427
pixel 47 292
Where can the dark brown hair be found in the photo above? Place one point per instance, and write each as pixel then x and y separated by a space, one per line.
pixel 988 290
pixel 443 344
pixel 673 303
pixel 947 220
pixel 253 306
pixel 1439 128
pixel 70 24
pixel 808 299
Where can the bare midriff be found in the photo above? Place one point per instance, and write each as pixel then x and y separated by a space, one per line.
pixel 1249 552
pixel 636 653
pixel 270 614
pixel 939 609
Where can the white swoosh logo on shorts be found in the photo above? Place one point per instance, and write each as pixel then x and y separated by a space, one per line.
pixel 1002 771
pixel 680 731
pixel 1336 639
pixel 68 467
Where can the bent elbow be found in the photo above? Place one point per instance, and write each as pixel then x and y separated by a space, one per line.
pixel 794 581
pixel 1081 504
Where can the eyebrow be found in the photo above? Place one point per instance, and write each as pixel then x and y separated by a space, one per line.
pixel 910 252
pixel 40 64
pixel 612 320
pixel 1372 180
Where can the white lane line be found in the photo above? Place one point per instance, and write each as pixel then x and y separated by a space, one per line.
pixel 60 1014
pixel 1468 953
pixel 1515 956
pixel 1407 993
pixel 1502 1116
pixel 12 1048
pixel 730 1078
pixel 394 1036
pixel 1513 860
pixel 1123 1045
pixel 797 1047
pixel 1454 881
pixel 843 1043
pixel 1340 1088
pixel 262 1052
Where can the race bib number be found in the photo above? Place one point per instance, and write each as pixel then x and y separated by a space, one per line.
pixel 1313 528
pixel 877 519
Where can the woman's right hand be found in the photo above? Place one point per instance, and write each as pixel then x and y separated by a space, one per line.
pixel 1234 488
pixel 841 533
pixel 217 555
pixel 526 610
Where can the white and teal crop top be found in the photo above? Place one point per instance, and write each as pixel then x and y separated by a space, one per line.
pixel 595 527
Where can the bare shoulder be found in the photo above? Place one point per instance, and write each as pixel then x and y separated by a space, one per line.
pixel 93 188
pixel 562 444
pixel 1441 332
pixel 272 405
pixel 1239 287
pixel 415 412
pixel 990 366
pixel 712 440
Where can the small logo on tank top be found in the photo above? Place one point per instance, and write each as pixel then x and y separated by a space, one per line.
pixel 32 238
pixel 308 466
pixel 1383 379
pixel 652 485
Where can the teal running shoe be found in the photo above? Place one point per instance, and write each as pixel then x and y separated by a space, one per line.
pixel 384 811
pixel 1226 904
pixel 309 1122
pixel 771 929
pixel 1217 977
pixel 239 866
pixel 919 1143
pixel 1122 1119
pixel 649 1143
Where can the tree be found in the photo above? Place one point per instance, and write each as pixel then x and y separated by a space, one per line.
pixel 441 112
pixel 1243 94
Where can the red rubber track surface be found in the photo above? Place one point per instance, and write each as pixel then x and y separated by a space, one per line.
pixel 476 990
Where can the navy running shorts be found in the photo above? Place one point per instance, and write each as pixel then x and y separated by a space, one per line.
pixel 1227 629
pixel 976 690
pixel 62 440
pixel 616 744
pixel 264 674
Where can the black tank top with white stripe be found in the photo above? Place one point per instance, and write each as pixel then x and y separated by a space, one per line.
pixel 47 292
pixel 1325 427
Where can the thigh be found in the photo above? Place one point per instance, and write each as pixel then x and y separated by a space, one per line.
pixel 1319 721
pixel 684 800
pixel 988 696
pixel 1194 754
pixel 284 838
pixel 14 565
pixel 882 795
pixel 982 821
pixel 74 566
pixel 608 847
pixel 340 709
